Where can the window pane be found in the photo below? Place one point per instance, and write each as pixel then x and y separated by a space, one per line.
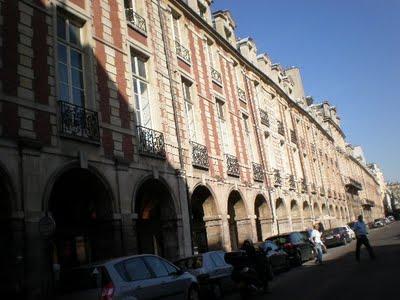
pixel 141 68
pixel 76 59
pixel 134 70
pixel 62 53
pixel 74 34
pixel 78 96
pixel 137 270
pixel 62 73
pixel 77 78
pixel 61 28
pixel 170 268
pixel 157 266
pixel 218 260
pixel 63 92
pixel 143 89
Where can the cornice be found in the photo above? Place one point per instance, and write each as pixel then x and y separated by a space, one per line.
pixel 189 12
pixel 337 127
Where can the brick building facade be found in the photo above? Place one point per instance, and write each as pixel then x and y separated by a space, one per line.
pixel 146 126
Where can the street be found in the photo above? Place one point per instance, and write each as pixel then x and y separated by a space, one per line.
pixel 341 277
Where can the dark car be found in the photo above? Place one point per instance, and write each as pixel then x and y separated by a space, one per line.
pixel 277 257
pixel 295 246
pixel 336 236
pixel 211 270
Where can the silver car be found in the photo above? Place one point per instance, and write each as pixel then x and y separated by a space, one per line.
pixel 137 277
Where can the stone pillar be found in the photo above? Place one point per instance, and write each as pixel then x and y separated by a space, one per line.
pixel 129 238
pixel 214 229
pixel 245 230
pixel 266 227
pixel 226 240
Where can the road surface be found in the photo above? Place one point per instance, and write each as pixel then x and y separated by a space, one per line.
pixel 341 277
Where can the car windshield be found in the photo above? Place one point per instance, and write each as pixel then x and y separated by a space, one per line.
pixel 280 240
pixel 190 263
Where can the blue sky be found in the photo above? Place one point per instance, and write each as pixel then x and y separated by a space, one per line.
pixel 348 53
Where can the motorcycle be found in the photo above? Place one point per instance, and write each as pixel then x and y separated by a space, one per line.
pixel 249 274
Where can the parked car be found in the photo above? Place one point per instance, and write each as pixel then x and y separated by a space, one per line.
pixel 295 246
pixel 134 277
pixel 351 225
pixel 277 257
pixel 336 236
pixel 391 218
pixel 378 223
pixel 350 232
pixel 211 271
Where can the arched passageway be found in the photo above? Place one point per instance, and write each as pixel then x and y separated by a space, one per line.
pixel 282 220
pixel 307 215
pixel 81 205
pixel 8 252
pixel 263 218
pixel 295 216
pixel 207 231
pixel 239 223
pixel 156 225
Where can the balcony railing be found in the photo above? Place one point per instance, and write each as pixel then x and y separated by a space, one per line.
pixel 199 156
pixel 293 137
pixel 258 174
pixel 182 52
pixel 264 117
pixel 232 164
pixel 281 129
pixel 216 76
pixel 136 20
pixel 277 178
pixel 151 142
pixel 241 94
pixel 304 186
pixel 292 183
pixel 79 122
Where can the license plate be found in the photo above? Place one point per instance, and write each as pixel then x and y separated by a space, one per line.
pixel 329 237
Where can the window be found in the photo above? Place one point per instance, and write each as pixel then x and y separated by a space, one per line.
pixel 202 10
pixel 219 262
pixel 210 55
pixel 135 269
pixel 220 109
pixel 140 90
pixel 248 134
pixel 70 61
pixel 157 266
pixel 186 90
pixel 222 125
pixel 176 28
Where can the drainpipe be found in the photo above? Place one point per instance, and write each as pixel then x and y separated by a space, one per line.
pixel 174 108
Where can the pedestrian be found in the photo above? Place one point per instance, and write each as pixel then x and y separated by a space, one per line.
pixel 361 234
pixel 316 240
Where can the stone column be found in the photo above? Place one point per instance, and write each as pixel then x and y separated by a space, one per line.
pixel 214 229
pixel 244 229
pixel 266 227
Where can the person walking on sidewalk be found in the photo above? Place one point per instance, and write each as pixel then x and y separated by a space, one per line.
pixel 316 240
pixel 361 234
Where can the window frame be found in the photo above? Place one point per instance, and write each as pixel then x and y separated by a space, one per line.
pixel 190 116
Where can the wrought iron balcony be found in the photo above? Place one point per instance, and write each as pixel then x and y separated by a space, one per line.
pixel 241 94
pixel 264 117
pixel 258 174
pixel 216 76
pixel 292 183
pixel 182 52
pixel 293 137
pixel 354 184
pixel 78 122
pixel 277 178
pixel 304 186
pixel 232 164
pixel 151 142
pixel 199 156
pixel 313 188
pixel 136 20
pixel 281 129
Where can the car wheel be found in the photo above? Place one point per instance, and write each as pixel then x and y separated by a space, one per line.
pixel 217 291
pixel 298 259
pixel 193 294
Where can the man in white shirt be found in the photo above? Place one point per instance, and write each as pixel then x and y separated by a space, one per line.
pixel 315 237
pixel 361 232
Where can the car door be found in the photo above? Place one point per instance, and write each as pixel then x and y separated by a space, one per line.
pixel 171 284
pixel 138 279
pixel 280 258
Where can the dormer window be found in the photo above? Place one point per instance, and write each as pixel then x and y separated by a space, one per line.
pixel 228 34
pixel 202 10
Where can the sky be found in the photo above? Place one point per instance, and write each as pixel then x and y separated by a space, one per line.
pixel 348 53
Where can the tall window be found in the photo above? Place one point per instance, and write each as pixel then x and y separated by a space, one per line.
pixel 222 125
pixel 186 90
pixel 248 134
pixel 140 90
pixel 210 54
pixel 202 10
pixel 70 61
pixel 176 28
